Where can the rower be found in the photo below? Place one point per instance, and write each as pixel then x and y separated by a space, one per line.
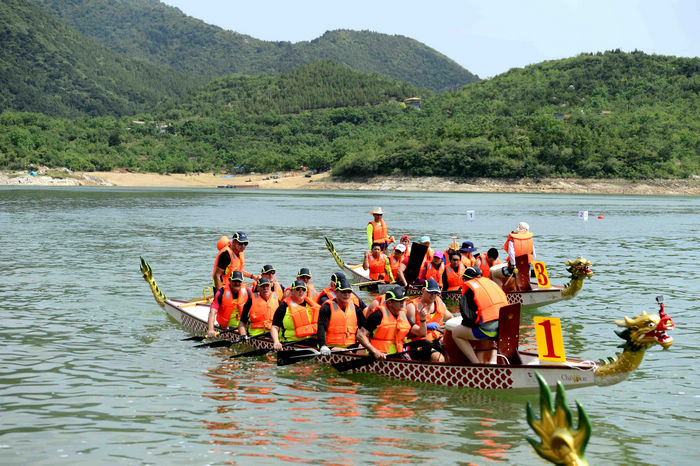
pixel 518 243
pixel 376 263
pixel 487 260
pixel 227 305
pixel 269 272
pixel 452 278
pixel 406 241
pixel 394 262
pixel 258 311
pixel 296 317
pixel 453 247
pixel 481 302
pixel 338 320
pixel 467 251
pixel 433 269
pixel 377 230
pixel 385 329
pixel 230 258
pixel 305 275
pixel 330 292
pixel 430 307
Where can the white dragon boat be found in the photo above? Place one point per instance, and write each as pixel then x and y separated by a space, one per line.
pixel 515 371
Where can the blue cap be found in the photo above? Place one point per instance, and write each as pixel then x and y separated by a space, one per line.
pixel 240 237
pixel 467 246
pixel 431 286
pixel 236 276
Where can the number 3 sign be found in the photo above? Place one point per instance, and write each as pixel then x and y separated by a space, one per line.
pixel 541 274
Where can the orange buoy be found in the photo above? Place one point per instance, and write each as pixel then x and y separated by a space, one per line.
pixel 601 216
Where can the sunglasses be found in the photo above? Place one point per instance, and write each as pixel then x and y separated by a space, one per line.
pixel 299 289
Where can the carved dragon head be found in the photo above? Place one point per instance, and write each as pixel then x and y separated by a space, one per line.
pixel 579 268
pixel 645 330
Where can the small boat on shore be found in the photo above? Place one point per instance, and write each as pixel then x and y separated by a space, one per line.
pixel 516 368
pixel 529 299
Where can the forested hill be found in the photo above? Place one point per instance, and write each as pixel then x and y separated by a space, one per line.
pixel 47 67
pixel 309 87
pixel 157 33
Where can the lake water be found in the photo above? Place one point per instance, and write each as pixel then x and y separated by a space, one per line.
pixel 94 372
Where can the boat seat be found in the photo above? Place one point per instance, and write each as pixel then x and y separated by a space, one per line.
pixel 509 332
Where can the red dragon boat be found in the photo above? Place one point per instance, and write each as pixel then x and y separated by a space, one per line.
pixel 515 371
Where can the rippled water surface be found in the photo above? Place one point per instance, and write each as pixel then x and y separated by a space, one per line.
pixel 93 371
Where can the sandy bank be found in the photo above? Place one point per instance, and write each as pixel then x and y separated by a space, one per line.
pixel 323 181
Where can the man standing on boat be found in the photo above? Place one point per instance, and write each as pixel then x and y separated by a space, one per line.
pixel 339 319
pixel 296 318
pixel 386 328
pixel 230 258
pixel 480 304
pixel 227 305
pixel 256 317
pixel 377 231
pixel 429 307
pixel 519 243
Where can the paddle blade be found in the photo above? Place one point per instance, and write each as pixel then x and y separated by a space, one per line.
pixel 418 251
pixel 287 357
pixel 216 344
pixel 195 338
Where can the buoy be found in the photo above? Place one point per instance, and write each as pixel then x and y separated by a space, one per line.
pixel 601 216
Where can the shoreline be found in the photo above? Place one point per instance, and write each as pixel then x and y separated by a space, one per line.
pixel 298 180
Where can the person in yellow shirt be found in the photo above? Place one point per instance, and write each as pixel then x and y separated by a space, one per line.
pixel 377 231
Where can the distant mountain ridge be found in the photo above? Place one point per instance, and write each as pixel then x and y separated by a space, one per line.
pixel 160 34
pixel 48 67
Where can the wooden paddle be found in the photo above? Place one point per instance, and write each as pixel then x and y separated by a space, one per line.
pixel 261 351
pixel 287 357
pixel 227 343
pixel 367 360
pixel 204 337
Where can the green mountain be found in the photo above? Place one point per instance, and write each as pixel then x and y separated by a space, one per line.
pixel 157 33
pixel 615 114
pixel 47 67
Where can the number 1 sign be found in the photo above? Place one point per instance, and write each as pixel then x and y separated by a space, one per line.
pixel 550 343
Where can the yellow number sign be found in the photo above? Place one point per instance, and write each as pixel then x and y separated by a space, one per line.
pixel 550 344
pixel 541 274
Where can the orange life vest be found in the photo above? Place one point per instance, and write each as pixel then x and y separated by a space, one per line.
pixel 485 267
pixel 343 325
pixel 311 291
pixel 389 335
pixel 438 316
pixel 380 233
pixel 377 270
pixel 379 300
pixel 435 274
pixel 261 311
pixel 522 244
pixel 300 320
pixel 227 273
pixel 454 279
pixel 394 265
pixel 230 309
pixel 468 261
pixel 489 298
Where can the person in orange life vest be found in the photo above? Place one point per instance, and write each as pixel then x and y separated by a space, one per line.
pixel 386 328
pixel 480 304
pixel 231 258
pixel 269 272
pixel 256 317
pixel 393 264
pixel 227 305
pixel 452 277
pixel 338 320
pixel 296 318
pixel 305 275
pixel 434 269
pixel 376 263
pixel 330 293
pixel 377 231
pixel 431 308
pixel 520 242
pixel 467 251
pixel 425 240
pixel 406 241
pixel 487 260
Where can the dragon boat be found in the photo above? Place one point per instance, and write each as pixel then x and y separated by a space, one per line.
pixel 529 295
pixel 515 371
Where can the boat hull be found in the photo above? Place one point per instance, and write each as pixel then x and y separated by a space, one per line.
pixel 573 374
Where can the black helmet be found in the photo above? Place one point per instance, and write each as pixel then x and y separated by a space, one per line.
pixel 471 272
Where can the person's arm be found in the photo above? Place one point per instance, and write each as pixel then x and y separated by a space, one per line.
pixel 365 261
pixel 370 234
pixel 364 332
pixel 534 256
pixel 387 269
pixel 213 309
pixel 221 264
pixel 445 284
pixel 361 304
pixel 324 318
pixel 511 253
pixel 245 313
pixel 399 275
pixel 275 334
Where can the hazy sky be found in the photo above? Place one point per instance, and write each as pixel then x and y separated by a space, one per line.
pixel 487 37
